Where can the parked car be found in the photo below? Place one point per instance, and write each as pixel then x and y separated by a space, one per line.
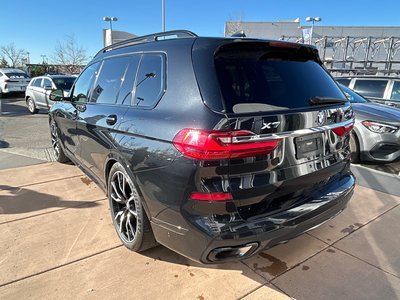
pixel 217 148
pixel 376 134
pixel 379 89
pixel 13 81
pixel 38 91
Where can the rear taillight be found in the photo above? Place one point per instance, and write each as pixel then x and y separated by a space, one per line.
pixel 343 130
pixel 215 144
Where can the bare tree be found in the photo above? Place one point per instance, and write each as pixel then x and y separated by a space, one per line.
pixel 12 55
pixel 235 25
pixel 70 54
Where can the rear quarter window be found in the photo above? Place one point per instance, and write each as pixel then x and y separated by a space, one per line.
pixel 150 80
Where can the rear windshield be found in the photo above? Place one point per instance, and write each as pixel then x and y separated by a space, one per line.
pixel 260 78
pixel 16 75
pixel 64 83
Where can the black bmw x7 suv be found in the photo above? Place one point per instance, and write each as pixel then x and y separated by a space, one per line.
pixel 216 148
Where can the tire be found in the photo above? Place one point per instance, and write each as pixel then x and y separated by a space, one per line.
pixel 130 220
pixel 55 143
pixel 355 149
pixel 31 106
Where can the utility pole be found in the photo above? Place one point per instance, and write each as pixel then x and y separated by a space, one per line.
pixel 163 15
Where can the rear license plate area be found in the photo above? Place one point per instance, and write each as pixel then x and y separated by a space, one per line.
pixel 308 145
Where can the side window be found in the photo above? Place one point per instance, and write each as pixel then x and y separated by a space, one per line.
pixel 37 82
pixel 109 80
pixel 396 91
pixel 126 91
pixel 370 88
pixel 47 83
pixel 84 82
pixel 344 81
pixel 150 80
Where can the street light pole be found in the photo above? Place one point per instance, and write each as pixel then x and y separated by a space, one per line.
pixel 110 19
pixel 312 19
pixel 163 15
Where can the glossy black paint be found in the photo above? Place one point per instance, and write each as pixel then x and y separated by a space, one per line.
pixel 275 196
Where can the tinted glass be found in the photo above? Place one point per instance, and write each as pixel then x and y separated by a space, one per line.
pixel 125 93
pixel 47 83
pixel 352 96
pixel 261 79
pixel 343 81
pixel 37 82
pixel 64 83
pixel 109 80
pixel 149 82
pixel 16 75
pixel 370 88
pixel 395 91
pixel 84 82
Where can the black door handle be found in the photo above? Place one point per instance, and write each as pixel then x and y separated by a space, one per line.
pixel 111 119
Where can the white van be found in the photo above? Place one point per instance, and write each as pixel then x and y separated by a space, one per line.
pixel 13 81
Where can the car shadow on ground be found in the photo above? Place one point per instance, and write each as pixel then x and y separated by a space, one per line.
pixel 161 253
pixel 23 200
pixel 271 266
pixel 391 168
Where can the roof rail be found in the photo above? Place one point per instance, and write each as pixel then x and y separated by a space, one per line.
pixel 150 38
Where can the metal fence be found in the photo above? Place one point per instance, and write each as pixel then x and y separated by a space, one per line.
pixel 358 55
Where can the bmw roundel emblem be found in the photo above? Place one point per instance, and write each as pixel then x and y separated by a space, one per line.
pixel 321 118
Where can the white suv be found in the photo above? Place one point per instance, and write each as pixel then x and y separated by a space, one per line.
pixel 13 81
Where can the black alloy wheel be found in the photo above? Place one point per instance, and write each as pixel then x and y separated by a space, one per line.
pixel 129 218
pixel 58 152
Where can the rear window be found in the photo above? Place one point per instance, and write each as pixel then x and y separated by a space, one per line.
pixel 16 75
pixel 260 78
pixel 64 83
pixel 370 88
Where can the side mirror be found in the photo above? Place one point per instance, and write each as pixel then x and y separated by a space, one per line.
pixel 57 95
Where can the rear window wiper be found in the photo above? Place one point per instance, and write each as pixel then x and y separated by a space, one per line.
pixel 326 100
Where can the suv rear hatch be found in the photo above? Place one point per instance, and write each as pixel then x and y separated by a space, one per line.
pixel 275 93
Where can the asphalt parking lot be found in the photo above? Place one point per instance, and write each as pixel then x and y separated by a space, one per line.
pixel 57 239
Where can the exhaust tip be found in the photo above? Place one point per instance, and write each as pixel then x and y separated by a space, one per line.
pixel 231 253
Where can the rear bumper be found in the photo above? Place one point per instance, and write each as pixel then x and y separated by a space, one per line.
pixel 6 88
pixel 254 235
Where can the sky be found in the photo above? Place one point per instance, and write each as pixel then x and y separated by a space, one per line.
pixel 37 26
